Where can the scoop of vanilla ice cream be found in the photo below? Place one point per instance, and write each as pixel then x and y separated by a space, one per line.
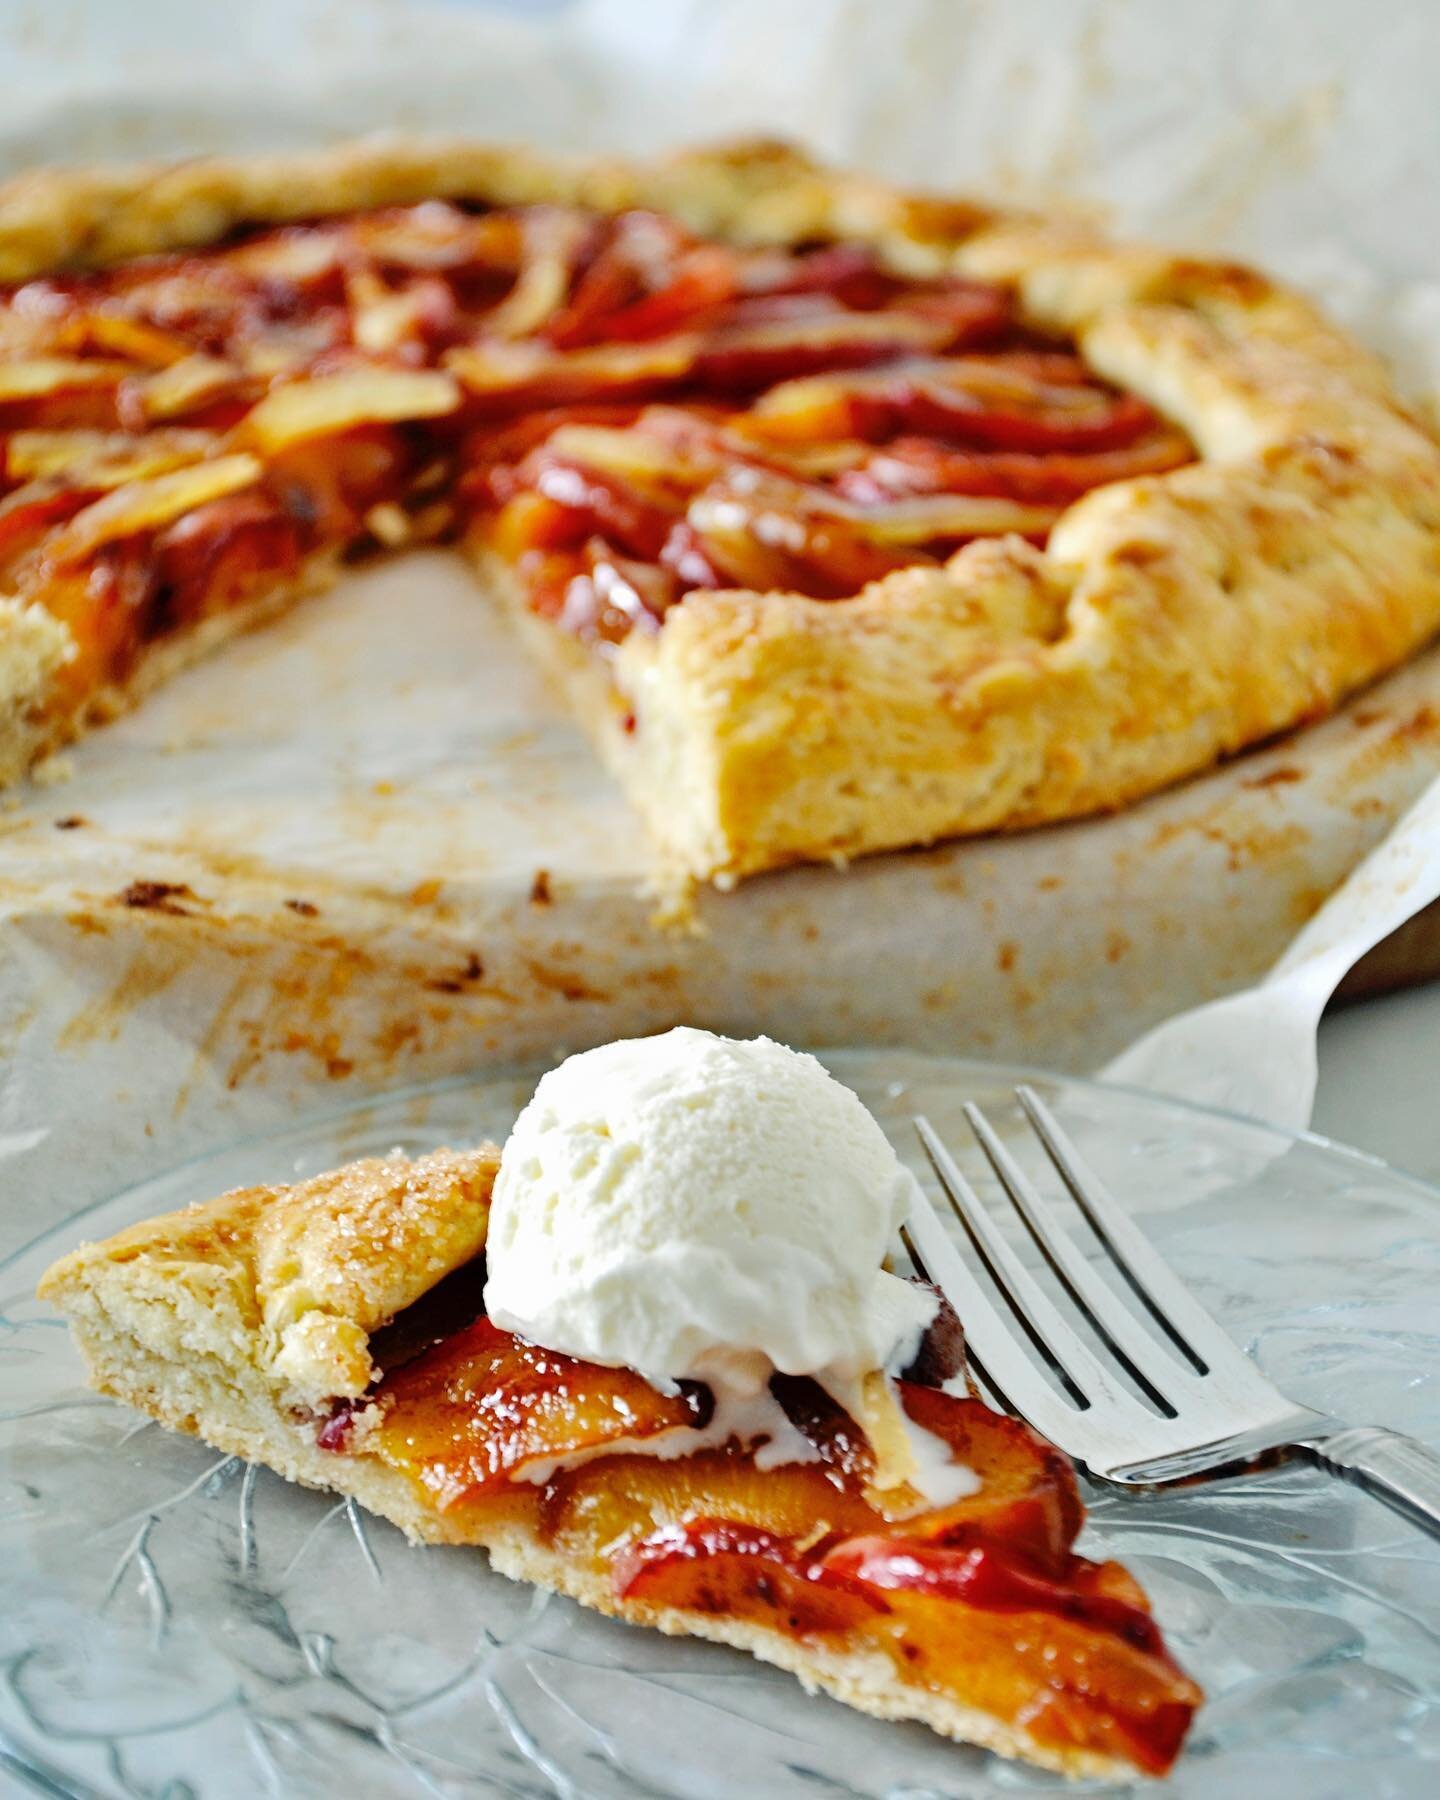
pixel 693 1205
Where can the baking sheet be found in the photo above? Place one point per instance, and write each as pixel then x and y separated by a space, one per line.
pixel 365 847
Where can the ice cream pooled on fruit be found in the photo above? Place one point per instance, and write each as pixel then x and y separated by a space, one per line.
pixel 701 1208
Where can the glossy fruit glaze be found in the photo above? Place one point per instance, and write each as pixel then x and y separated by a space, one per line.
pixel 983 1601
pixel 622 410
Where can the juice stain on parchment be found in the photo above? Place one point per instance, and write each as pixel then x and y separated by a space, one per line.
pixel 149 971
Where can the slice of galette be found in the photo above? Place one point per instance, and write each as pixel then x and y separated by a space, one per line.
pixel 334 1331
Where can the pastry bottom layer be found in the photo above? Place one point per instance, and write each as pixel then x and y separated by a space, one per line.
pixel 232 1407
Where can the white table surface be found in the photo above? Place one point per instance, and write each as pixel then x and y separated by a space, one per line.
pixel 1380 1079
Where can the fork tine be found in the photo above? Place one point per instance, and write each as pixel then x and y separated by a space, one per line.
pixel 1056 1340
pixel 989 1339
pixel 1142 1354
pixel 1192 1330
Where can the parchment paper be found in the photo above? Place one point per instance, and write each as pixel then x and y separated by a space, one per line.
pixel 365 847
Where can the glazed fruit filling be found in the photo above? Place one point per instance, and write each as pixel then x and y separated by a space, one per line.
pixel 983 1601
pixel 621 410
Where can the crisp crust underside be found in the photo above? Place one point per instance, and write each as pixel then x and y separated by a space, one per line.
pixel 1170 621
pixel 199 1321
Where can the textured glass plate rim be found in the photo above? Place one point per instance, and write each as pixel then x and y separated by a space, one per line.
pixel 956 1073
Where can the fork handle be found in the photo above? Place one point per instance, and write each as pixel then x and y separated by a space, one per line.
pixel 1397 1469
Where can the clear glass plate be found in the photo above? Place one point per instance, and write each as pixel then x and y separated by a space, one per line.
pixel 173 1623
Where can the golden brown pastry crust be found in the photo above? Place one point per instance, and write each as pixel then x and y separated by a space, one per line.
pixel 236 1320
pixel 87 218
pixel 292 1280
pixel 1171 620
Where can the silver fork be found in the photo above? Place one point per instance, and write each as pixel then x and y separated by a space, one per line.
pixel 1207 1411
